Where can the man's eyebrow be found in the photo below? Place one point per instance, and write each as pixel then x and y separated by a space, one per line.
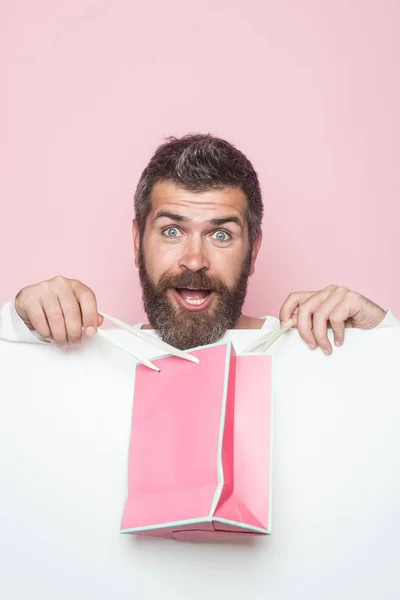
pixel 169 215
pixel 228 219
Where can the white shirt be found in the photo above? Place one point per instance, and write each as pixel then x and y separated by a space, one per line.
pixel 64 433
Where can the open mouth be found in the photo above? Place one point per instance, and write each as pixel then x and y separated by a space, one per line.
pixel 193 299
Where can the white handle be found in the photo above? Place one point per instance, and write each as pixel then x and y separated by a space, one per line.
pixel 146 362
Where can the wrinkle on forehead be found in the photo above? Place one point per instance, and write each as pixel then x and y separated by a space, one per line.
pixel 198 206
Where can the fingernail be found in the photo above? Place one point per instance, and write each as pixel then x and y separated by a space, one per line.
pixel 327 352
pixel 311 346
pixel 74 344
pixel 90 331
pixel 338 342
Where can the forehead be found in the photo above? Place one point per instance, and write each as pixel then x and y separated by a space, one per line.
pixel 198 206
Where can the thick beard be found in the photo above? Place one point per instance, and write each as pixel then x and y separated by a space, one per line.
pixel 182 328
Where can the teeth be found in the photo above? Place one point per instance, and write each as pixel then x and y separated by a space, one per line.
pixel 196 302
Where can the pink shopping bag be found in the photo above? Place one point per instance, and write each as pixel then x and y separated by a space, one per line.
pixel 200 448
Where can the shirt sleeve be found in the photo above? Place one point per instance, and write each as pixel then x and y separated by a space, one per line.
pixel 13 329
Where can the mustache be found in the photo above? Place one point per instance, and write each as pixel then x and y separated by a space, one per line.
pixel 192 280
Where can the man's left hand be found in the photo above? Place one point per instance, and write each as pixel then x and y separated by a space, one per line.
pixel 335 307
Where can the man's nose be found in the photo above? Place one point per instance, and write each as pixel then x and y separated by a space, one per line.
pixel 195 255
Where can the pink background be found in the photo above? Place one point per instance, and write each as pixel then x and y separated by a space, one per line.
pixel 309 90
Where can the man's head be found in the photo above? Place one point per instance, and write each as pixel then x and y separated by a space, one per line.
pixel 197 233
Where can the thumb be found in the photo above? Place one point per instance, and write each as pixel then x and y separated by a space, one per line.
pixel 294 318
pixel 338 336
pixel 338 327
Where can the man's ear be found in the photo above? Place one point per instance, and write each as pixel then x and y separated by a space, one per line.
pixel 254 252
pixel 136 241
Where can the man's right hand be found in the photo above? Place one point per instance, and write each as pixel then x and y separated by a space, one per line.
pixel 59 310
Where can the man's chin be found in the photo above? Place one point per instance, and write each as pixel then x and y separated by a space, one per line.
pixel 187 337
pixel 184 329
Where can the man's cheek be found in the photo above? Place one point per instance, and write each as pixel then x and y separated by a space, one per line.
pixel 153 267
pixel 161 264
pixel 227 280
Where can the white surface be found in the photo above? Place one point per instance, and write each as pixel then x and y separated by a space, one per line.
pixel 64 434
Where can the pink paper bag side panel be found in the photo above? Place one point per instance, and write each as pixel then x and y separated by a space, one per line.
pixel 227 431
pixel 176 417
pixel 250 502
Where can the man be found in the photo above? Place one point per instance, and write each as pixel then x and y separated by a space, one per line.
pixel 197 234
pixel 65 413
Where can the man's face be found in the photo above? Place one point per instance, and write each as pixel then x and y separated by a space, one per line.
pixel 194 261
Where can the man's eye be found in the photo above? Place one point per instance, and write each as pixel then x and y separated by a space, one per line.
pixel 221 236
pixel 171 232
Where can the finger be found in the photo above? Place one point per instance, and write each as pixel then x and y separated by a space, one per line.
pixel 37 317
pixel 338 327
pixel 304 326
pixel 294 318
pixel 320 330
pixel 55 318
pixel 88 305
pixel 72 315
pixel 291 304
pixel 305 316
pixel 322 316
pixel 341 318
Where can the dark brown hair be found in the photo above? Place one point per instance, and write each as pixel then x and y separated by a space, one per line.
pixel 200 162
